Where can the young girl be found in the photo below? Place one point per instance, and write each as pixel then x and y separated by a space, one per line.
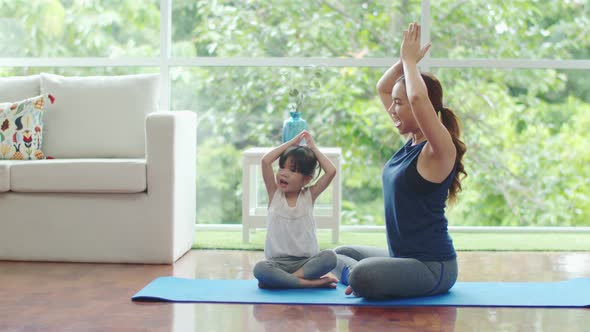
pixel 293 259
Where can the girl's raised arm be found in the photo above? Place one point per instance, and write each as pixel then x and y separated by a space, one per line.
pixel 329 169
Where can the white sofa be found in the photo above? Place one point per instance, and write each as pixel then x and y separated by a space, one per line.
pixel 120 186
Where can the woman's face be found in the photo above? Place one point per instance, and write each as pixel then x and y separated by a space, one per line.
pixel 400 111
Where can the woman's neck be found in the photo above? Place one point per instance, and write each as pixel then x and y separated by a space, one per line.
pixel 417 137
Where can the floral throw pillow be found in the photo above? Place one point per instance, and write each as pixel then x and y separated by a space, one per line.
pixel 21 128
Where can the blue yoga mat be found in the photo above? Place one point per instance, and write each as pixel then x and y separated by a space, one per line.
pixel 570 293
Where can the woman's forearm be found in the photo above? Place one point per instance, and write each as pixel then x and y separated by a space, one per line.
pixel 387 81
pixel 415 86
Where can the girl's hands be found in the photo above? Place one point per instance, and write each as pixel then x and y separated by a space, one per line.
pixel 308 139
pixel 411 52
pixel 304 135
pixel 297 139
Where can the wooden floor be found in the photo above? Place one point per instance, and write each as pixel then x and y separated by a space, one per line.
pixel 97 297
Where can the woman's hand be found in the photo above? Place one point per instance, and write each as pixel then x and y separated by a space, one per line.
pixel 411 52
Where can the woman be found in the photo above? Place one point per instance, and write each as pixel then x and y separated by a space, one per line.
pixel 417 182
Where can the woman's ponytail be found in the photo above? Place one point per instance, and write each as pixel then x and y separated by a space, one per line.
pixel 451 122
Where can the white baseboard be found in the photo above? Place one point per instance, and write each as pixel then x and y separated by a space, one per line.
pixel 452 229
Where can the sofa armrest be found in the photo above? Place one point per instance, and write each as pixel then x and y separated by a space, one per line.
pixel 171 152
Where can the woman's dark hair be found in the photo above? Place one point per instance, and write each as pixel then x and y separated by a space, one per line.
pixel 451 122
pixel 303 160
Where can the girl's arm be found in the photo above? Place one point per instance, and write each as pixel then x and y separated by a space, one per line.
pixel 329 169
pixel 269 158
pixel 439 139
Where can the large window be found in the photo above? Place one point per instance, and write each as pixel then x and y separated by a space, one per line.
pixel 516 74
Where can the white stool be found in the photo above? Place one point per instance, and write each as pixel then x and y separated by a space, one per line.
pixel 255 198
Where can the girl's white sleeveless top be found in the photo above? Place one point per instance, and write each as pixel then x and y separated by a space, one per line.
pixel 291 231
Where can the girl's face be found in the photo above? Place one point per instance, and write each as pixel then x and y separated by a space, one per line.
pixel 288 180
pixel 401 112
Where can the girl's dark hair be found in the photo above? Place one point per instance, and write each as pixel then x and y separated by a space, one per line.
pixel 303 160
pixel 451 122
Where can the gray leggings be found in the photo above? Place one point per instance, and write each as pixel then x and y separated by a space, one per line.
pixel 278 272
pixel 373 274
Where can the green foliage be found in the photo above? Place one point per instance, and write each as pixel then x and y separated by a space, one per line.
pixel 301 86
pixel 89 28
pixel 218 179
pixel 277 28
pixel 516 29
pixel 527 131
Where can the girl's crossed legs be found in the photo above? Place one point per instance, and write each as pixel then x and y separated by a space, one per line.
pixel 297 272
pixel 372 273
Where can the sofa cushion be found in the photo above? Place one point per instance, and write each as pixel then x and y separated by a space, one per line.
pixel 79 176
pixel 21 128
pixel 98 116
pixel 19 87
pixel 5 175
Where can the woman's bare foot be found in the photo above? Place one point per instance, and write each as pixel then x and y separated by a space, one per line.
pixel 349 291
